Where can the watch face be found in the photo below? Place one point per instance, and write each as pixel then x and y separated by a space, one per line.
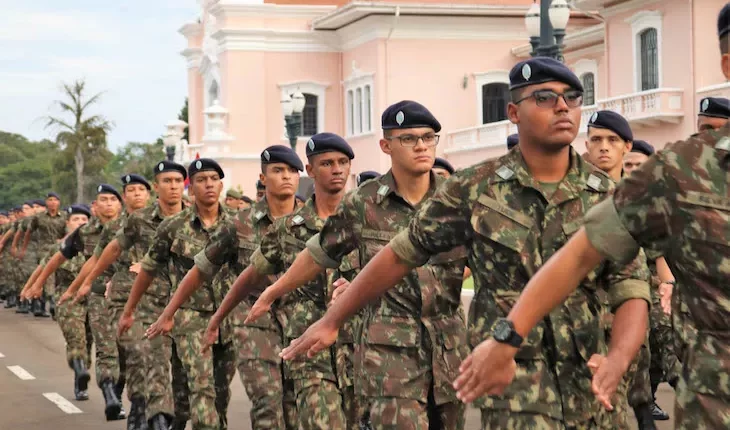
pixel 502 330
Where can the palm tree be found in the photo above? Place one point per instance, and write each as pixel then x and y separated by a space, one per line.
pixel 83 133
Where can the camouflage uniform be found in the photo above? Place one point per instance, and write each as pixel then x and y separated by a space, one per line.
pixel 177 240
pixel 157 355
pixel 319 400
pixel 676 204
pixel 28 263
pixel 46 230
pixel 258 344
pixel 413 337
pixel 511 224
pixel 107 364
pixel 5 262
pixel 664 361
pixel 121 284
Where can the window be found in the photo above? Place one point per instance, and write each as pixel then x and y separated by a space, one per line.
pixel 366 109
pixel 358 104
pixel 494 102
pixel 649 59
pixel 350 114
pixel 309 115
pixel 589 88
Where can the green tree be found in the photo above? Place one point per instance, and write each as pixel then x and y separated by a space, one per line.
pixel 135 157
pixel 27 168
pixel 183 116
pixel 83 137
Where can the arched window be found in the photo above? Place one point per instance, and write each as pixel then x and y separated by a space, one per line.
pixel 649 59
pixel 589 89
pixel 494 102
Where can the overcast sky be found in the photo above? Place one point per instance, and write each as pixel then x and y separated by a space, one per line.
pixel 130 49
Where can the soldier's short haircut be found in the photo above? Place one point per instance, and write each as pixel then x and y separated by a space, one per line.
pixel 724 42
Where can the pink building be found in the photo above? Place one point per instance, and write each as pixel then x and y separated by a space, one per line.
pixel 650 60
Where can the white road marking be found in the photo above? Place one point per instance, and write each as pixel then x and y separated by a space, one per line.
pixel 1 355
pixel 21 373
pixel 62 403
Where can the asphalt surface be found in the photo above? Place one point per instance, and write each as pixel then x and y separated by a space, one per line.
pixel 34 348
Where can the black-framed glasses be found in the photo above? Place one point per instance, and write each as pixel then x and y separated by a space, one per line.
pixel 411 140
pixel 549 98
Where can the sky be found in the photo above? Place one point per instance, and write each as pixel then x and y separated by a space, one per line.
pixel 127 49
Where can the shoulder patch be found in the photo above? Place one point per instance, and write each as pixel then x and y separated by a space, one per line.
pixel 383 190
pixel 594 182
pixel 505 172
pixel 723 144
pixel 297 220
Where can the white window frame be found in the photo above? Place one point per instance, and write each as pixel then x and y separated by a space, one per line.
pixel 485 78
pixel 358 114
pixel 584 66
pixel 315 88
pixel 639 22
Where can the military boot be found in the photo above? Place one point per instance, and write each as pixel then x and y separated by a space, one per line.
pixel 39 309
pixel 658 413
pixel 178 424
pixel 112 406
pixel 119 390
pixel 12 301
pixel 160 422
pixel 81 377
pixel 79 393
pixel 136 420
pixel 644 418
pixel 22 307
pixel 52 309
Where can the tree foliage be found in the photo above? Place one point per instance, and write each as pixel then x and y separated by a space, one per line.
pixel 27 169
pixel 183 116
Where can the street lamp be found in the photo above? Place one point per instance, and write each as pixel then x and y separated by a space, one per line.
pixel 292 106
pixel 546 25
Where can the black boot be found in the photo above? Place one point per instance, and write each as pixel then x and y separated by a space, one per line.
pixel 119 390
pixel 136 419
pixel 159 422
pixel 22 307
pixel 52 309
pixel 81 378
pixel 644 417
pixel 178 424
pixel 113 406
pixel 12 301
pixel 39 308
pixel 80 394
pixel 658 413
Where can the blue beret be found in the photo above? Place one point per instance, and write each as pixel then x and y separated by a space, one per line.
pixel 29 202
pixel 281 154
pixel 366 176
pixel 440 162
pixel 512 141
pixel 134 178
pixel 539 70
pixel 52 194
pixel 723 21
pixel 78 210
pixel 205 165
pixel 328 142
pixel 716 107
pixel 3 213
pixel 39 202
pixel 259 185
pixel 169 166
pixel 641 146
pixel 610 120
pixel 408 114
pixel 108 189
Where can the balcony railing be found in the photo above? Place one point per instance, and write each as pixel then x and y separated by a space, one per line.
pixel 647 108
pixel 721 90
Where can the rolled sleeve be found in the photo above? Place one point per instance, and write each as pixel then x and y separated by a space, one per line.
pixel 319 255
pixel 123 238
pixel 261 264
pixel 149 265
pixel 205 266
pixel 608 234
pixel 628 289
pixel 406 250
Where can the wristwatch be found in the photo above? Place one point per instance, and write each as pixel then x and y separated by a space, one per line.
pixel 503 331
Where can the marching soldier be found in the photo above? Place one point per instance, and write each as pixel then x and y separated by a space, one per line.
pixel 443 168
pixel 714 113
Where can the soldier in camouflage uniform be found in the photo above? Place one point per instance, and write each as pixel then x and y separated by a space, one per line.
pixel 4 226
pixel 257 345
pixel 16 273
pixel 26 256
pixel 676 204
pixel 319 399
pixel 109 370
pixel 46 229
pixel 177 240
pixel 157 355
pixel 6 259
pixel 414 336
pixel 512 213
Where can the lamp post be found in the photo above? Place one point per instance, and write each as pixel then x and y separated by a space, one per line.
pixel 292 106
pixel 546 25
pixel 173 137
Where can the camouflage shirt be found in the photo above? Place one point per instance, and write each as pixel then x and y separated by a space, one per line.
pixel 510 227
pixel 46 229
pixel 415 328
pixel 121 277
pixel 177 240
pixel 83 241
pixel 135 238
pixel 677 204
pixel 232 245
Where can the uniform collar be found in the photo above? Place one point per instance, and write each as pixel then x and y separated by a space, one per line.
pixel 387 187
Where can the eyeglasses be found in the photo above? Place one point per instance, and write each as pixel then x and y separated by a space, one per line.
pixel 411 140
pixel 549 98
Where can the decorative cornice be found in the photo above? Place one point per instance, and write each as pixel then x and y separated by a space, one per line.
pixel 237 8
pixel 255 39
pixel 193 57
pixel 191 29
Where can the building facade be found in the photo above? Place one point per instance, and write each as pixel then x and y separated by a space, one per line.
pixel 650 60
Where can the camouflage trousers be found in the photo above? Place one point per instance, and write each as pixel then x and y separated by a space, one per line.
pixel 352 402
pixel 136 369
pixel 73 320
pixel 273 400
pixel 108 364
pixel 494 419
pixel 665 364
pixel 209 372
pixel 392 413
pixel 639 388
pixel 165 377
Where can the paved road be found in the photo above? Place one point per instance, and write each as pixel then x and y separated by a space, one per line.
pixel 35 348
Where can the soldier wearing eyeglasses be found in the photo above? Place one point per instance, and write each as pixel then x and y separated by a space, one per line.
pixel 512 213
